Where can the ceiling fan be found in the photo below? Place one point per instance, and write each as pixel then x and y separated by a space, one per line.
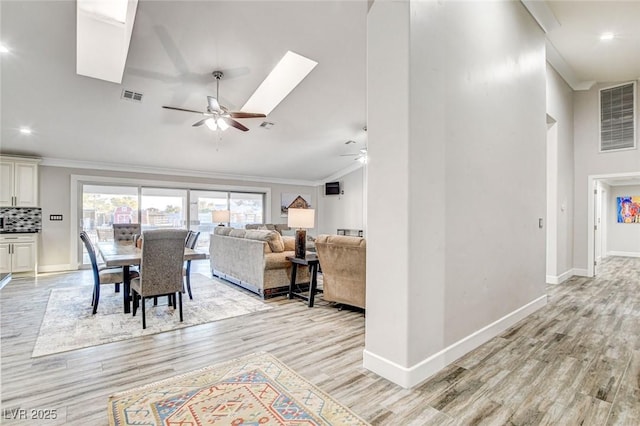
pixel 360 156
pixel 216 115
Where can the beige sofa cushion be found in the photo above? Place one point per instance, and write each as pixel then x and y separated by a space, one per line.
pixel 289 243
pixel 271 237
pixel 222 230
pixel 277 260
pixel 237 233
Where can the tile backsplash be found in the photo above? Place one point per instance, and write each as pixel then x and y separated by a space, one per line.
pixel 21 219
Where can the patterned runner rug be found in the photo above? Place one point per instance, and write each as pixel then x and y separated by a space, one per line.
pixel 257 389
pixel 68 323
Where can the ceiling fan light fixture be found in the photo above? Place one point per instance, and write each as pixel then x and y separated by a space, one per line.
pixel 607 36
pixel 211 124
pixel 222 124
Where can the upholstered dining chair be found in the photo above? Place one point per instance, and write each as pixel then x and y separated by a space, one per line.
pixel 101 274
pixel 160 268
pixel 125 231
pixel 190 242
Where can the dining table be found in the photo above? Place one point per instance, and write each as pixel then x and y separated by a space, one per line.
pixel 127 254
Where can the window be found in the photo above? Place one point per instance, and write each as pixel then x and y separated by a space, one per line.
pixel 617 118
pixel 104 204
pixel 246 208
pixel 163 208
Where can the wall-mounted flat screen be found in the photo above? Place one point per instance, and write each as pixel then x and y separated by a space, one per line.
pixel 332 188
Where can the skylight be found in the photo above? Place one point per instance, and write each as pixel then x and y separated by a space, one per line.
pixel 284 77
pixel 103 33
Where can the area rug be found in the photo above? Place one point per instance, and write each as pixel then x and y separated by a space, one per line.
pixel 257 389
pixel 68 323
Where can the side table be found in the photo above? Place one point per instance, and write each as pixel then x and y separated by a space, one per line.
pixel 311 260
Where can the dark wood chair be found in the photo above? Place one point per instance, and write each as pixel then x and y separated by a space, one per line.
pixel 161 266
pixel 101 274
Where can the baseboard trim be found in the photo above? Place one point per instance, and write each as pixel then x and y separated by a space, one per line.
pixel 408 377
pixel 552 279
pixel 55 268
pixel 623 253
pixel 580 272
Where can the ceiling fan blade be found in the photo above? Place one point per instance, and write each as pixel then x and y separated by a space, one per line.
pixel 240 114
pixel 200 123
pixel 348 155
pixel 213 104
pixel 182 109
pixel 233 123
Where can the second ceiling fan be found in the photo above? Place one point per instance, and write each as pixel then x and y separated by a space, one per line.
pixel 216 115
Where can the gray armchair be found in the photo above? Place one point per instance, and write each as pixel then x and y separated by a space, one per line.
pixel 160 268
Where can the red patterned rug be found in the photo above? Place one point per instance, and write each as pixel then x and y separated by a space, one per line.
pixel 256 389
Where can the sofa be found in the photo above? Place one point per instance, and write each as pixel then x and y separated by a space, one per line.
pixel 343 260
pixel 254 259
pixel 279 227
pixel 283 229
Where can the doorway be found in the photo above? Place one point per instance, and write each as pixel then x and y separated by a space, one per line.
pixel 600 188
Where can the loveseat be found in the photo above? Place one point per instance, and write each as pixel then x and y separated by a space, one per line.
pixel 343 260
pixel 254 259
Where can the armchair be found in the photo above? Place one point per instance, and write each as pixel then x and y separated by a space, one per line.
pixel 344 264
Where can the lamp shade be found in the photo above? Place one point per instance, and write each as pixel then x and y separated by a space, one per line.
pixel 301 218
pixel 221 216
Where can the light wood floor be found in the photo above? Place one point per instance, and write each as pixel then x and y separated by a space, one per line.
pixel 577 361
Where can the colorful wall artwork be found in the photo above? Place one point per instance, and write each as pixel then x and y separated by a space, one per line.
pixel 629 209
pixel 299 201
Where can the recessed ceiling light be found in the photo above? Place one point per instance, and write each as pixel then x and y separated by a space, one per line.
pixel 607 36
pixel 25 130
pixel 4 49
pixel 282 79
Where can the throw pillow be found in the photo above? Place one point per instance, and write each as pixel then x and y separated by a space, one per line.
pixel 272 238
pixel 289 243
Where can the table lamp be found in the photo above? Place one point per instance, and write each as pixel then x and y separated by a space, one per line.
pixel 302 219
pixel 221 217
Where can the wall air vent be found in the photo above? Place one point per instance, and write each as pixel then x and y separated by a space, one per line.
pixel 130 95
pixel 618 117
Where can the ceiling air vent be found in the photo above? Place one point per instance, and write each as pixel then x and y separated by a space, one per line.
pixel 130 95
pixel 266 125
pixel 617 117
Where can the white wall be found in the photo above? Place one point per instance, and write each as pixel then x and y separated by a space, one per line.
pixel 55 198
pixel 623 239
pixel 560 108
pixel 588 161
pixel 345 210
pixel 457 145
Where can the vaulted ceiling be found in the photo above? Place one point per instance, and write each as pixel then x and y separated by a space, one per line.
pixel 174 48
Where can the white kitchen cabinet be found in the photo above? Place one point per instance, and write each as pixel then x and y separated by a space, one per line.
pixel 18 182
pixel 18 253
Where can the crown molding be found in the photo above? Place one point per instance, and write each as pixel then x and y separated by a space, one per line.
pixel 341 173
pixel 558 63
pixel 132 168
pixel 543 15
